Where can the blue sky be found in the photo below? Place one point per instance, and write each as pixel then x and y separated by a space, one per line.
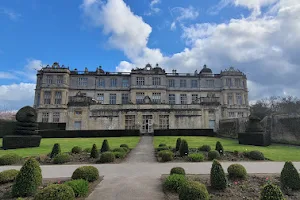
pixel 258 37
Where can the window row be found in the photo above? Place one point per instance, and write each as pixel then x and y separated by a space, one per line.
pixel 50 79
pixel 236 114
pixel 55 117
pixel 48 97
pixel 238 99
pixel 237 82
pixel 163 123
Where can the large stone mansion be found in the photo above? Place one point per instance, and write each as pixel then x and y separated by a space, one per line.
pixel 146 98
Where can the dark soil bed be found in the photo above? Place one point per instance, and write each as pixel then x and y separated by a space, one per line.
pixel 5 189
pixel 248 189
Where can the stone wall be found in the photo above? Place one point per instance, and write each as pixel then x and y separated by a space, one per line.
pixel 231 127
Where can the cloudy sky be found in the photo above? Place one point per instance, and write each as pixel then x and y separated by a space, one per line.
pixel 259 37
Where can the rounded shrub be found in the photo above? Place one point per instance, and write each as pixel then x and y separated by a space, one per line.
pixel 213 155
pixel 256 155
pixel 162 145
pixel 125 146
pixel 193 190
pixel 88 173
pixel 107 157
pixel 76 149
pixel 289 176
pixel 28 180
pixel 237 171
pixel 271 192
pixel 184 148
pixel 206 148
pixel 120 149
pixel 94 152
pixel 219 148
pixel 125 149
pixel 178 142
pixel 217 176
pixel 166 155
pixel 87 150
pixel 80 187
pixel 196 157
pixel 162 148
pixel 56 192
pixel 55 150
pixel 174 182
pixel 119 154
pixel 105 146
pixel 177 170
pixel 61 158
pixel 8 175
pixel 9 159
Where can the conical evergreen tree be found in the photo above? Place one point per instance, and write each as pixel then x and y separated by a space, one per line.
pixel 94 152
pixel 105 146
pixel 178 142
pixel 217 176
pixel 289 176
pixel 271 192
pixel 55 150
pixel 184 148
pixel 219 148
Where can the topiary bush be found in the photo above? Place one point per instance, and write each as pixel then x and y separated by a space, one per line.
pixel 219 148
pixel 28 180
pixel 217 176
pixel 80 187
pixel 61 158
pixel 289 177
pixel 56 192
pixel 174 182
pixel 256 155
pixel 94 152
pixel 120 149
pixel 162 148
pixel 10 159
pixel 213 155
pixel 206 148
pixel 184 148
pixel 237 171
pixel 193 190
pixel 55 150
pixel 105 146
pixel 119 154
pixel 271 192
pixel 162 145
pixel 107 157
pixel 87 150
pixel 196 157
pixel 166 155
pixel 178 142
pixel 177 170
pixel 8 175
pixel 76 149
pixel 125 146
pixel 88 173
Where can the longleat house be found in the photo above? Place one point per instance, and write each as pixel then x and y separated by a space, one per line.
pixel 146 98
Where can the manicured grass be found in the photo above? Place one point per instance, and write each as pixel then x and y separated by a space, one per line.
pixel 274 152
pixel 66 145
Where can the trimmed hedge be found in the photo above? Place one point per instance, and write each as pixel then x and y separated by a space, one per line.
pixel 289 176
pixel 184 132
pixel 237 171
pixel 166 155
pixel 88 173
pixel 257 138
pixel 119 154
pixel 177 170
pixel 28 180
pixel 271 192
pixel 184 148
pixel 76 150
pixel 20 141
pixel 213 155
pixel 256 155
pixel 80 187
pixel 193 190
pixel 217 176
pixel 125 146
pixel 106 157
pixel 9 159
pixel 55 150
pixel 206 148
pixel 178 142
pixel 105 146
pixel 120 149
pixel 94 152
pixel 174 182
pixel 61 158
pixel 8 175
pixel 56 192
pixel 162 148
pixel 87 150
pixel 196 157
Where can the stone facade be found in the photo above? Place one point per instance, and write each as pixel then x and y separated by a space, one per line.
pixel 146 98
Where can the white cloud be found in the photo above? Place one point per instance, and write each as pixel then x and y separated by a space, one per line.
pixel 181 14
pixel 28 73
pixel 7 75
pixel 153 8
pixel 12 15
pixel 15 96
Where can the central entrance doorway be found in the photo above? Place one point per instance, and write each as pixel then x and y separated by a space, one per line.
pixel 147 124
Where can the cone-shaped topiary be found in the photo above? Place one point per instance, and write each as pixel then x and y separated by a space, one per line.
pixel 55 150
pixel 217 176
pixel 184 148
pixel 289 176
pixel 105 146
pixel 28 180
pixel 178 142
pixel 271 192
pixel 94 152
pixel 219 148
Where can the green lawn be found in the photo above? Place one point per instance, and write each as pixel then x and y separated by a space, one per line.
pixel 67 144
pixel 274 152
